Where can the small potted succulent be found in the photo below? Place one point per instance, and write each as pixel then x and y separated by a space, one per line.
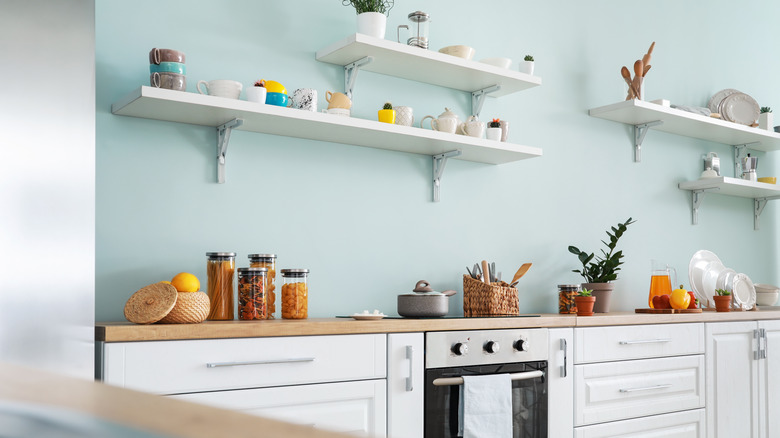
pixel 371 16
pixel 527 65
pixel 766 119
pixel 722 300
pixel 494 130
pixel 585 302
pixel 387 113
pixel 257 92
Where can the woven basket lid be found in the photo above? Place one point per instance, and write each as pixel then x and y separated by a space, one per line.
pixel 151 303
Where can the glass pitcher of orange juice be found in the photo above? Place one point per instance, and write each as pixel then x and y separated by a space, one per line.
pixel 660 280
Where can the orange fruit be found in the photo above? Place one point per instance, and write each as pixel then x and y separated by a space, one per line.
pixel 185 282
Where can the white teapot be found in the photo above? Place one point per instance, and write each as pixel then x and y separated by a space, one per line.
pixel 472 127
pixel 448 121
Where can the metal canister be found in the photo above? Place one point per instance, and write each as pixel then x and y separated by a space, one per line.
pixel 251 294
pixel 220 269
pixel 267 261
pixel 566 294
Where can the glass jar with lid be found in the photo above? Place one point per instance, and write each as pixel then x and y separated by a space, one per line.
pixel 251 294
pixel 295 294
pixel 566 294
pixel 267 261
pixel 220 270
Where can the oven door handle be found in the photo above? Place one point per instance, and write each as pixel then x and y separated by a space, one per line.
pixel 450 381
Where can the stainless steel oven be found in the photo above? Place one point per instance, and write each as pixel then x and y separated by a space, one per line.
pixel 449 356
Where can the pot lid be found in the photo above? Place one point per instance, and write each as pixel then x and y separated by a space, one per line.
pixel 448 113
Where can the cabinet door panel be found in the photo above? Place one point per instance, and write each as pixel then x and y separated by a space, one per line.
pixel 405 385
pixel 352 407
pixel 560 383
pixel 769 381
pixel 603 344
pixel 688 424
pixel 732 394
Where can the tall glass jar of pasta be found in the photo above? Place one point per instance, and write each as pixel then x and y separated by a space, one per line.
pixel 267 261
pixel 220 269
pixel 295 294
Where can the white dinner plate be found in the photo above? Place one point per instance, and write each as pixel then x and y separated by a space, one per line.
pixel 743 292
pixel 740 108
pixel 368 316
pixel 710 282
pixel 725 279
pixel 699 264
pixel 718 97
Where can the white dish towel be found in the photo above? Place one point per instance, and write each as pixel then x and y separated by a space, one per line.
pixel 486 406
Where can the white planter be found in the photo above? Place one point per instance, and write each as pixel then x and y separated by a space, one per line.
pixel 256 94
pixel 494 134
pixel 766 121
pixel 527 67
pixel 372 24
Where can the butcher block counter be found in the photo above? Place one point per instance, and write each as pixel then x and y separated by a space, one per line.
pixel 128 332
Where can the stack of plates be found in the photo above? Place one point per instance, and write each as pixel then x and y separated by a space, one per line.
pixel 706 273
pixel 735 106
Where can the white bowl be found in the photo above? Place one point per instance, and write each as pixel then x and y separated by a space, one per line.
pixel 460 51
pixel 498 62
pixel 767 298
pixel 762 287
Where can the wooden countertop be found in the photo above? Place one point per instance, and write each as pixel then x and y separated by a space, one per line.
pixel 126 332
pixel 29 394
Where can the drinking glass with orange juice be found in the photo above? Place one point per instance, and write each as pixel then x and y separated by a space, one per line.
pixel 660 280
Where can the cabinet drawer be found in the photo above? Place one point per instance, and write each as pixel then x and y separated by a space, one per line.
pixel 170 367
pixel 688 424
pixel 631 389
pixel 348 407
pixel 602 344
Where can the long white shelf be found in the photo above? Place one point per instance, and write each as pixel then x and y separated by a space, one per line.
pixel 758 191
pixel 428 66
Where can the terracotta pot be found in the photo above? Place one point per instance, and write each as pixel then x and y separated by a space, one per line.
pixel 603 293
pixel 585 305
pixel 722 303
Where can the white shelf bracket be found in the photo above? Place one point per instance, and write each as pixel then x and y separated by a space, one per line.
pixel 350 74
pixel 478 98
pixel 223 138
pixel 696 197
pixel 740 152
pixel 439 161
pixel 640 131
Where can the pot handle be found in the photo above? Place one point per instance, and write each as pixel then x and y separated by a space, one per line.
pixel 449 293
pixel 422 286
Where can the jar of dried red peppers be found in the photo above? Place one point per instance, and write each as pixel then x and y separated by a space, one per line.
pixel 295 294
pixel 220 269
pixel 252 303
pixel 267 261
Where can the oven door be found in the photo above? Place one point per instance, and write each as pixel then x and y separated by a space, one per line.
pixel 529 399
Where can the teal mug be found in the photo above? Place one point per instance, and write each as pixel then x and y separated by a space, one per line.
pixel 278 99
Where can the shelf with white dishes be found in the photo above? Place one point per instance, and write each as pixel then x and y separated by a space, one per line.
pixel 359 51
pixel 645 115
pixel 227 114
pixel 760 192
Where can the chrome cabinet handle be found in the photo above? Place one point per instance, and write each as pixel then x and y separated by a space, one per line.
pixel 450 381
pixel 563 347
pixel 646 388
pixel 647 341
pixel 410 379
pixel 258 362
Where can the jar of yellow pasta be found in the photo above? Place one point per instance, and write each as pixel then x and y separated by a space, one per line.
pixel 295 294
pixel 220 270
pixel 267 261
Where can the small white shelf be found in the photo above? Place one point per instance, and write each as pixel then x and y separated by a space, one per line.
pixel 197 109
pixel 758 191
pixel 640 114
pixel 428 66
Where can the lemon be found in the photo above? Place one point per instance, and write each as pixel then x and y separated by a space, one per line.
pixel 275 87
pixel 185 282
pixel 165 281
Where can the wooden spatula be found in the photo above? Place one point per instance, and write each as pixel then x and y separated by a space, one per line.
pixel 519 274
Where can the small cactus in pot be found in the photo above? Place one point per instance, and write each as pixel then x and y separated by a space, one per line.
pixel 527 65
pixel 766 118
pixel 494 130
pixel 387 113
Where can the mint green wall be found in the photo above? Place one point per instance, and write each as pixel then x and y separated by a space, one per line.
pixel 361 219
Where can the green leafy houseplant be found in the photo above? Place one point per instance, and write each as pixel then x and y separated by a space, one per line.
pixel 381 6
pixel 722 292
pixel 585 293
pixel 603 268
pixel 528 58
pixel 766 109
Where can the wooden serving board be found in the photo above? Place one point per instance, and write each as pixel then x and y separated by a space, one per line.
pixel 667 311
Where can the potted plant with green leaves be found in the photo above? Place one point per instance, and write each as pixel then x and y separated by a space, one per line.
pixel 601 270
pixel 766 119
pixel 494 130
pixel 585 302
pixel 387 113
pixel 371 15
pixel 527 65
pixel 722 300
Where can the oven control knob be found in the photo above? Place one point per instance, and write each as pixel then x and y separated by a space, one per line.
pixel 460 349
pixel 492 347
pixel 521 345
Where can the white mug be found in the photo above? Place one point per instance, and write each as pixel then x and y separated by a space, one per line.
pixel 256 94
pixel 305 99
pixel 404 115
pixel 221 88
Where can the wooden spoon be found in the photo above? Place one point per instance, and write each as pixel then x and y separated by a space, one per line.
pixel 646 59
pixel 650 50
pixel 627 77
pixel 520 272
pixel 486 271
pixel 639 68
pixel 647 68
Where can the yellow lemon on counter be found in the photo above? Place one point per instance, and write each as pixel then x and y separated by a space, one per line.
pixel 165 281
pixel 185 282
pixel 275 87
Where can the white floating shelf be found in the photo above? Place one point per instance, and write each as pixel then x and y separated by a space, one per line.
pixel 758 191
pixel 428 66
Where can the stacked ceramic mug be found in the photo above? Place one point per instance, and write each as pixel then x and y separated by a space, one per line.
pixel 167 69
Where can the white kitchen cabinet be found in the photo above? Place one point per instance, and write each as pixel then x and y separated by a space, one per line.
pixel 405 385
pixel 560 383
pixel 686 424
pixel 742 377
pixel 351 407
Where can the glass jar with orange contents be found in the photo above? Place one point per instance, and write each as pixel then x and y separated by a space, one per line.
pixel 295 294
pixel 220 268
pixel 267 261
pixel 251 294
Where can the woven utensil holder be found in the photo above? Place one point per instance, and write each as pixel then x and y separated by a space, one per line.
pixel 482 299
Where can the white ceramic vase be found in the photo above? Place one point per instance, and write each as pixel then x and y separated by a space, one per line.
pixel 494 134
pixel 527 67
pixel 372 24
pixel 766 121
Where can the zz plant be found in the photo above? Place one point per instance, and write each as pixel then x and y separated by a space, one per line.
pixel 603 268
